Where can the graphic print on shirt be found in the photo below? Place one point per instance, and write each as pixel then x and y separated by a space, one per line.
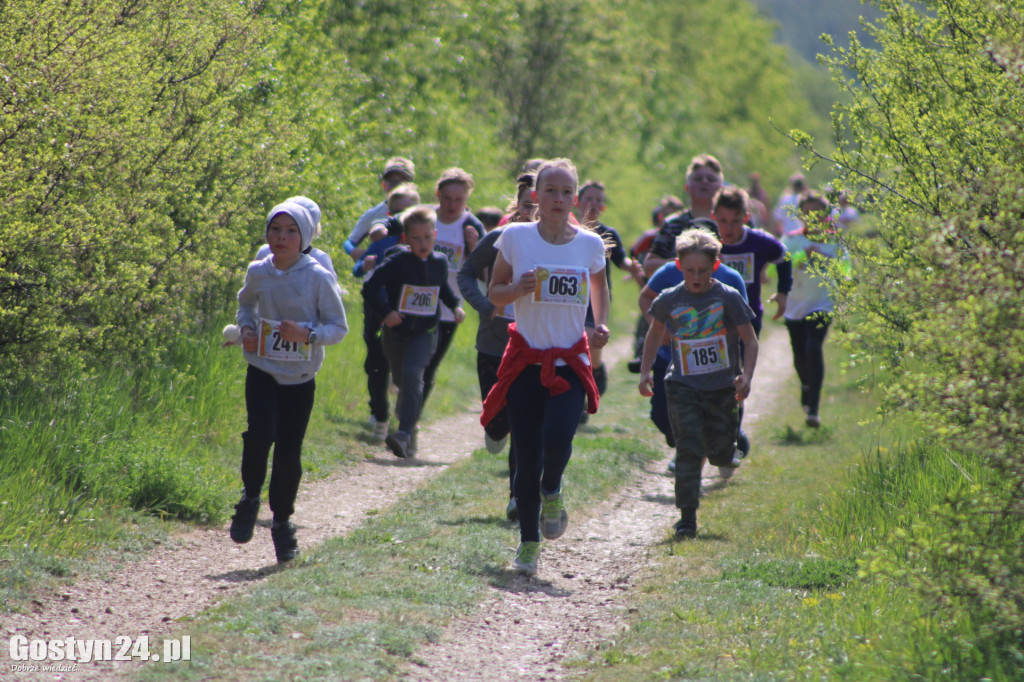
pixel 701 339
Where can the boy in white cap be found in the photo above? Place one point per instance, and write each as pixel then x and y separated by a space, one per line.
pixel 289 309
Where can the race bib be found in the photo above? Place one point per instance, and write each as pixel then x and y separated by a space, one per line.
pixel 742 263
pixel 419 300
pixel 562 285
pixel 703 356
pixel 273 347
pixel 453 252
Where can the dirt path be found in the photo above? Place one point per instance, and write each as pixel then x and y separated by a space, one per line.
pixel 580 594
pixel 202 567
pixel 526 630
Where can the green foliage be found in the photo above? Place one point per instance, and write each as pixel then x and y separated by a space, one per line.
pixel 713 81
pixel 811 574
pixel 932 141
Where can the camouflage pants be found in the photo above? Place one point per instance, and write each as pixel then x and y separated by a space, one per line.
pixel 704 424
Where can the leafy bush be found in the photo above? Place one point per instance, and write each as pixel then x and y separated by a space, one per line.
pixel 932 140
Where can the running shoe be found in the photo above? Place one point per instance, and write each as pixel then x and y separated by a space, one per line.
pixel 743 444
pixel 286 547
pixel 380 429
pixel 525 562
pixel 727 471
pixel 813 421
pixel 244 520
pixel 686 526
pixel 553 517
pixel 495 446
pixel 512 510
pixel 398 442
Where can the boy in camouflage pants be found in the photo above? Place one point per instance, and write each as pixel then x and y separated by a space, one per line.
pixel 705 321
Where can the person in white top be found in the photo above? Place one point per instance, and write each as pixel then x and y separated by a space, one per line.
pixel 458 232
pixel 550 270
pixel 397 170
pixel 809 306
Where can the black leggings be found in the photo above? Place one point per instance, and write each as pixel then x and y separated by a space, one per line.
pixel 807 337
pixel 543 427
pixel 277 415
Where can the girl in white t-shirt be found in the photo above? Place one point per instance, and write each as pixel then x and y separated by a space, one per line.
pixel 458 232
pixel 550 270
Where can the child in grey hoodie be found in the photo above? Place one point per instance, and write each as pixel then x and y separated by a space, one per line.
pixel 288 309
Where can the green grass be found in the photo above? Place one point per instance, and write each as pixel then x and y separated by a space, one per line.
pixel 776 586
pixel 359 606
pixel 98 455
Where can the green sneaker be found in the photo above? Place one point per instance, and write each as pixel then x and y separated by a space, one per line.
pixel 553 517
pixel 525 562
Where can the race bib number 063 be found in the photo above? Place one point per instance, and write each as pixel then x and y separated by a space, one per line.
pixel 562 285
pixel 703 356
pixel 273 347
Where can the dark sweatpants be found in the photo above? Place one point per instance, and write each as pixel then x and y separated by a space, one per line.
pixel 807 337
pixel 498 427
pixel 277 415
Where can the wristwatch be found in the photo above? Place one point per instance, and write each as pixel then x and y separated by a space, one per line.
pixel 312 337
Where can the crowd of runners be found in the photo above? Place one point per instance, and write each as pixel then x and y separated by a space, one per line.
pixel 538 274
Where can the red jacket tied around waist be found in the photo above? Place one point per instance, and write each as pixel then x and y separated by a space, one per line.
pixel 519 355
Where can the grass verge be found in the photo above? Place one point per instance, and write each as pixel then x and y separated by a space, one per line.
pixel 358 607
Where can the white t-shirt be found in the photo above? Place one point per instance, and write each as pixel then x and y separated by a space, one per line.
pixel 554 316
pixel 451 243
pixel 787 212
pixel 809 293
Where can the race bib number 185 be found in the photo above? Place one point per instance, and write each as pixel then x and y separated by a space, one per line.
pixel 703 356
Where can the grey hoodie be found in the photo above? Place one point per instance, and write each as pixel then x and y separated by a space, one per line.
pixel 305 293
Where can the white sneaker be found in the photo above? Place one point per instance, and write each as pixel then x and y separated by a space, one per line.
pixel 380 429
pixel 495 446
pixel 813 421
pixel 726 472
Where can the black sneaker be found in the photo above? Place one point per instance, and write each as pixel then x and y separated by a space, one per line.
pixel 686 527
pixel 244 520
pixel 286 547
pixel 633 365
pixel 398 442
pixel 743 444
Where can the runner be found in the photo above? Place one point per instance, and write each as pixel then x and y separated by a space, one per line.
pixel 709 373
pixel 592 201
pixel 288 309
pixel 809 310
pixel 549 270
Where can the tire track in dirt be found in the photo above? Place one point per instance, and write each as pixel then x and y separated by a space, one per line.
pixel 202 567
pixel 582 592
